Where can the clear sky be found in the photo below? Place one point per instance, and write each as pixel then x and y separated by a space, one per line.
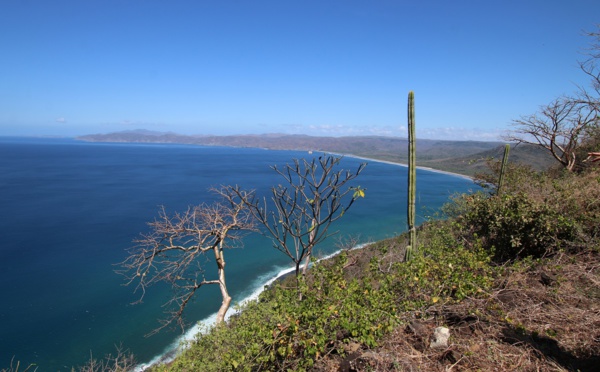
pixel 286 66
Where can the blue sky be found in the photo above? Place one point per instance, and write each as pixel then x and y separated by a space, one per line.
pixel 283 66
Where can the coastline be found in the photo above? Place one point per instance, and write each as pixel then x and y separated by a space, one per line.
pixel 180 344
pixel 267 147
pixel 406 166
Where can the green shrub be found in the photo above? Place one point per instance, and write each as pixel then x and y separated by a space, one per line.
pixel 281 332
pixel 446 270
pixel 578 196
pixel 516 225
pixel 538 213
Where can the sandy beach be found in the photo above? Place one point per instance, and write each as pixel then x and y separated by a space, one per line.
pixel 406 165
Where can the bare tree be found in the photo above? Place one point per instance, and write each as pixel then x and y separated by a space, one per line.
pixel 172 250
pixel 591 96
pixel 568 122
pixel 313 196
pixel 560 127
pixel 591 68
pixel 122 361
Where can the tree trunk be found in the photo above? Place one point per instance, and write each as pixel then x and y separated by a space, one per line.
pixel 306 262
pixel 222 285
pixel 224 305
pixel 311 238
pixel 571 163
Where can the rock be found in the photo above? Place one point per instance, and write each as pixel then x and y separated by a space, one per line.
pixel 353 353
pixel 452 356
pixel 440 338
pixel 419 329
pixel 547 278
pixel 352 347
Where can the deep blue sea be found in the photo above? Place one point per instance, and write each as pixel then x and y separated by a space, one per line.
pixel 69 210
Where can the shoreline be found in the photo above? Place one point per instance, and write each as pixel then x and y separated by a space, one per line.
pixel 171 352
pixel 309 151
pixel 406 166
pixel 147 156
pixel 182 342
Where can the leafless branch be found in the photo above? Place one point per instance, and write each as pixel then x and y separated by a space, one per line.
pixel 591 67
pixel 564 125
pixel 171 252
pixel 559 127
pixel 312 197
pixel 122 361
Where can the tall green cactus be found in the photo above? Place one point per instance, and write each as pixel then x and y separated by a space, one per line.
pixel 503 168
pixel 412 178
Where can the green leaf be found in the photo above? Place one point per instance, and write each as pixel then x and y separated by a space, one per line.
pixel 359 193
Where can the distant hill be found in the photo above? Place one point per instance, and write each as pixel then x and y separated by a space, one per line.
pixel 536 157
pixel 464 157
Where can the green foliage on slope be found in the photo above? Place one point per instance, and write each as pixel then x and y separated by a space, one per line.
pixel 361 297
pixel 279 332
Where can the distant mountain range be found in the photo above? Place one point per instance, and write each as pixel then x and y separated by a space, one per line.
pixel 464 157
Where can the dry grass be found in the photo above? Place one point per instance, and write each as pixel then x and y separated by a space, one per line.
pixel 540 317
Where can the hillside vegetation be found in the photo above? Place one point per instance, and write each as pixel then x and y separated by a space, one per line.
pixel 514 277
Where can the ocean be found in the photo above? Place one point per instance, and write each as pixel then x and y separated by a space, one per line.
pixel 70 209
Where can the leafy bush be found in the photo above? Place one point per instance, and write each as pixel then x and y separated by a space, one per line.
pixel 517 178
pixel 515 225
pixel 446 271
pixel 536 214
pixel 280 332
pixel 579 197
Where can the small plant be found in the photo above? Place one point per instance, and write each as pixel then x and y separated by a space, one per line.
pixel 446 271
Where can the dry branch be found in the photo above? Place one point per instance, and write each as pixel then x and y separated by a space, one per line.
pixel 172 250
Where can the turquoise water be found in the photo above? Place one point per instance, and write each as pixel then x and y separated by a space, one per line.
pixel 70 209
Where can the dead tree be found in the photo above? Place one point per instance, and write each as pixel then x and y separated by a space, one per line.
pixel 559 127
pixel 172 251
pixel 312 197
pixel 568 122
pixel 591 68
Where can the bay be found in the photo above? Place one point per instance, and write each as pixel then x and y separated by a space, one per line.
pixel 69 210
